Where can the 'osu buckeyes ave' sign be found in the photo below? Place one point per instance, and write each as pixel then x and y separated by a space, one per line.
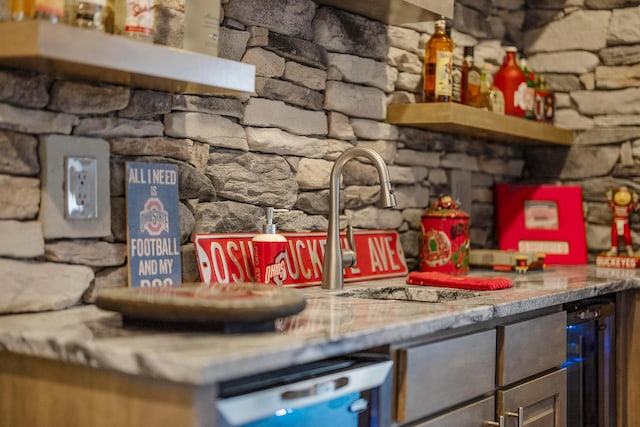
pixel 226 258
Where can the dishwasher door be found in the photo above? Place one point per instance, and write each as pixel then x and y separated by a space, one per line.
pixel 345 392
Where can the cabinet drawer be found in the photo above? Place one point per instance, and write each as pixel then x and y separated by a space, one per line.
pixel 540 402
pixel 474 414
pixel 531 346
pixel 435 376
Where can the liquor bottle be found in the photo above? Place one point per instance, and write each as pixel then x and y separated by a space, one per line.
pixel 544 102
pixel 21 9
pixel 438 65
pixel 512 82
pixel 471 80
pixel 456 82
pixel 531 87
pixel 491 97
pixel 48 10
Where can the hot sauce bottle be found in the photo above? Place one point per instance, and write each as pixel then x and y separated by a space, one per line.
pixel 438 65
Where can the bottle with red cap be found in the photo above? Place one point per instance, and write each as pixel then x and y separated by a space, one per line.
pixel 511 80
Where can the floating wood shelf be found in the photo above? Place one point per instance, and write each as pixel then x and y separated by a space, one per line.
pixel 396 12
pixel 65 51
pixel 449 117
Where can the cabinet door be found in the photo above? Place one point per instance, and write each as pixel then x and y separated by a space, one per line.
pixel 433 377
pixel 472 415
pixel 541 402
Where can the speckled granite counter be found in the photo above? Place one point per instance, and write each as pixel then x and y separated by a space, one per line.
pixel 331 324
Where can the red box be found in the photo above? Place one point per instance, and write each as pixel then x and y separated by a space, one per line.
pixel 542 219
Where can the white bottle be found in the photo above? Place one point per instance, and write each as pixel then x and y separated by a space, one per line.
pixel 135 19
pixel 269 254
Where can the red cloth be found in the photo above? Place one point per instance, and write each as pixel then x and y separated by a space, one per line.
pixel 434 278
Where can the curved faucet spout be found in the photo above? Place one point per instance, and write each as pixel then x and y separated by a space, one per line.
pixel 335 260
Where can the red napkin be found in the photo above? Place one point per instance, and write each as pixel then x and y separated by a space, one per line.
pixel 434 278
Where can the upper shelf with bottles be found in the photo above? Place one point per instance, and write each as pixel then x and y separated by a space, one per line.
pixel 65 51
pixel 450 117
pixel 396 12
pixel 455 93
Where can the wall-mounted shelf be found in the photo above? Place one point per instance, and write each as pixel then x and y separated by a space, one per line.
pixel 65 51
pixel 449 117
pixel 396 12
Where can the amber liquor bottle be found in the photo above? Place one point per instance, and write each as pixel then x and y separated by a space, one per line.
pixel 471 80
pixel 438 65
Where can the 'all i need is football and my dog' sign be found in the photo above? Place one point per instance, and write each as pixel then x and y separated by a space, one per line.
pixel 153 225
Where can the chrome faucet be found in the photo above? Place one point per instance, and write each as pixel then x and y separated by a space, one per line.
pixel 335 258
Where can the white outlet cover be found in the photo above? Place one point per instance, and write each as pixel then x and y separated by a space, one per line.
pixel 53 150
pixel 81 187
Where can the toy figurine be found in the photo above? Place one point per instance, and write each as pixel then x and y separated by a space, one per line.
pixel 622 203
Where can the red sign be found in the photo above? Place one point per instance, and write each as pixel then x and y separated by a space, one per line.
pixel 544 219
pixel 226 258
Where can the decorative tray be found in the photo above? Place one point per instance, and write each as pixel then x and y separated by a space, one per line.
pixel 204 304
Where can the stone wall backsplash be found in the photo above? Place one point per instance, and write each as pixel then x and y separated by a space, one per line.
pixel 324 79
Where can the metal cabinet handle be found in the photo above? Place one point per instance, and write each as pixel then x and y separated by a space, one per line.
pixel 316 389
pixel 519 415
pixel 499 423
pixel 349 254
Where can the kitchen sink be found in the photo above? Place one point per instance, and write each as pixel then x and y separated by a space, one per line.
pixel 409 293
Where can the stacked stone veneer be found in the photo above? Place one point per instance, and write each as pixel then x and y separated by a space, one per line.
pixel 324 78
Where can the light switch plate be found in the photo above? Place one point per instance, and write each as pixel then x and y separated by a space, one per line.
pixel 57 179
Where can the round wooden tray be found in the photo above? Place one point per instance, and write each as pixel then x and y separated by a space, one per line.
pixel 204 303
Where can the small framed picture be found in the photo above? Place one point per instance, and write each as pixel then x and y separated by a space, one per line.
pixel 544 219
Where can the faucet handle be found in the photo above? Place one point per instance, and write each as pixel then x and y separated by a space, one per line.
pixel 349 257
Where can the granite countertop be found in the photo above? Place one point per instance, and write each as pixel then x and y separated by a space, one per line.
pixel 331 324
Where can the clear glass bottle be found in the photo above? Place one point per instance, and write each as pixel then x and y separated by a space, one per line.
pixel 90 14
pixel 201 26
pixel 471 80
pixel 438 65
pixel 491 97
pixel 513 83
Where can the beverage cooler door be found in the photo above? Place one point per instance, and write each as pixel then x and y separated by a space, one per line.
pixel 345 392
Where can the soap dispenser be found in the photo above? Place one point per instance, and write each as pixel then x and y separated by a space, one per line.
pixel 269 253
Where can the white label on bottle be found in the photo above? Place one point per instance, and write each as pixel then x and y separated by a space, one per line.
pixel 139 17
pixel 444 67
pixel 522 97
pixel 456 84
pixel 473 78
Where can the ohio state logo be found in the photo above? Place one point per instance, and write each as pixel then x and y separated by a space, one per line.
pixel 154 219
pixel 276 271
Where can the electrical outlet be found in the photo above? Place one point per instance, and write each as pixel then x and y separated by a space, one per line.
pixel 75 199
pixel 81 185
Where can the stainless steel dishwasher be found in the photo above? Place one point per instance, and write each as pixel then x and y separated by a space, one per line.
pixel 350 391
